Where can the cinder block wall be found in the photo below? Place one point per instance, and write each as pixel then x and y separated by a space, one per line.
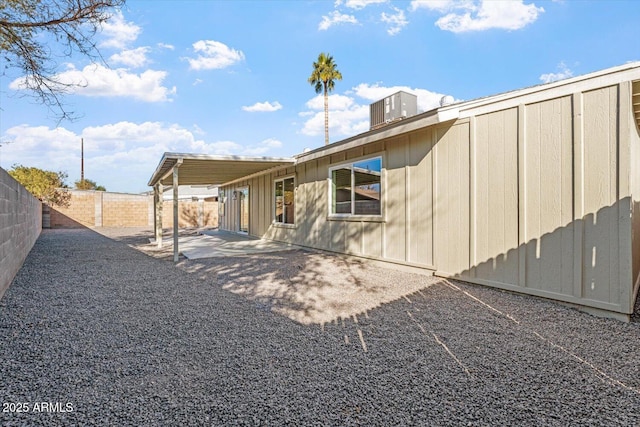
pixel 191 214
pixel 89 208
pixel 20 226
pixel 79 213
pixel 126 210
pixel 104 209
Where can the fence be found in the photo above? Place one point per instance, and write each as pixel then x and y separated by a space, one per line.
pixel 20 226
pixel 105 209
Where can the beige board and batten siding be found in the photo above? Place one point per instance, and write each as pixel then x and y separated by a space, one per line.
pixel 407 178
pixel 634 136
pixel 550 203
pixel 536 191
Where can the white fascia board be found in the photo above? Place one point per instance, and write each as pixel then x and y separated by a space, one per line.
pixel 192 156
pixel 154 177
pixel 406 125
pixel 604 78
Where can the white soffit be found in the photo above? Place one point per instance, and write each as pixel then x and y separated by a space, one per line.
pixel 201 169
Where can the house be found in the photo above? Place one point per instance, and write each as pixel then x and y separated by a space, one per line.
pixel 535 191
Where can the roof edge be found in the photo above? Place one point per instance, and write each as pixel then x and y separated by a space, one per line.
pixel 169 159
pixel 465 106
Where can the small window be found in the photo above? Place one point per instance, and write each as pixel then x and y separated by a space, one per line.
pixel 356 188
pixel 284 201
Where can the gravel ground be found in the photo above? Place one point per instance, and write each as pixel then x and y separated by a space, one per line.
pixel 113 336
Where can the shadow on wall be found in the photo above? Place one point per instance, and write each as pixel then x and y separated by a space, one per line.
pixel 581 263
pixel 191 214
pixel 54 218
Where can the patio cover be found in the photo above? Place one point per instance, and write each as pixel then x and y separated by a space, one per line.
pixel 202 169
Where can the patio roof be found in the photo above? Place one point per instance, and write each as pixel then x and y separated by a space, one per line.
pixel 198 169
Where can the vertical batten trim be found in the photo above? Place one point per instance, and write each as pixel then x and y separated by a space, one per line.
pixel 578 192
pixel 434 200
pixel 626 121
pixel 522 196
pixel 407 201
pixel 473 196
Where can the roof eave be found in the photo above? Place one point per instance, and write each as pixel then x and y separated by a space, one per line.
pixel 169 160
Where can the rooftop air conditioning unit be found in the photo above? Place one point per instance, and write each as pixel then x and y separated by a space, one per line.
pixel 395 107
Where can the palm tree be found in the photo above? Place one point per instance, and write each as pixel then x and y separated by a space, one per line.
pixel 325 71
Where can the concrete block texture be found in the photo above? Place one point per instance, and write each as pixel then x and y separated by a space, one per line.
pixel 191 214
pixel 20 226
pixel 104 209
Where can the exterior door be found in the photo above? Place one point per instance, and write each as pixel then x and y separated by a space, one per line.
pixel 243 210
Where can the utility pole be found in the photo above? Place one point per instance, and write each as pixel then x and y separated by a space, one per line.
pixel 82 160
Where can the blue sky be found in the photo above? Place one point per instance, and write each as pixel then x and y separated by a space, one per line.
pixel 230 77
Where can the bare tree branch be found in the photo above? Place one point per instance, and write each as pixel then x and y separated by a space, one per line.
pixel 71 23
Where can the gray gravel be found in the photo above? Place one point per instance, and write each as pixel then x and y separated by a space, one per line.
pixel 129 339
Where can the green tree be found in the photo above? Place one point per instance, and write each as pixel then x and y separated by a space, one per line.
pixel 87 184
pixel 325 72
pixel 45 185
pixel 31 31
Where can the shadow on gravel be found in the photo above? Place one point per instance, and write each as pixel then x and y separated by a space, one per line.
pixel 635 316
pixel 305 286
pixel 309 287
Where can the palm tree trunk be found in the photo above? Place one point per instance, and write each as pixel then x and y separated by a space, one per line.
pixel 326 116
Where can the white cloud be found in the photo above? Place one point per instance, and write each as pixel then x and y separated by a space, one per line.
pixel 341 123
pixel 563 73
pixel 479 15
pixel 166 46
pixel 361 4
pixel 262 147
pixel 118 155
pixel 214 55
pixel 337 102
pixel 217 148
pixel 132 57
pixel 227 148
pixel 198 130
pixel 26 138
pixel 334 18
pixel 349 113
pixel 346 118
pixel 118 32
pixel 97 80
pixel 263 107
pixel 397 21
pixel 437 5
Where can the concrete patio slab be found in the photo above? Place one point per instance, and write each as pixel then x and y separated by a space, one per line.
pixel 216 243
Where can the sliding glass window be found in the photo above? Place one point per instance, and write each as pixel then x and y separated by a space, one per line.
pixel 356 188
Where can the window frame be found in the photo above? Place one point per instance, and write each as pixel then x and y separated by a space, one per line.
pixel 353 216
pixel 274 220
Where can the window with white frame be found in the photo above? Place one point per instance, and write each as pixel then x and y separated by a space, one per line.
pixel 356 187
pixel 284 200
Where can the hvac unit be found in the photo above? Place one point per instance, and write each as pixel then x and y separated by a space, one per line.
pixel 395 107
